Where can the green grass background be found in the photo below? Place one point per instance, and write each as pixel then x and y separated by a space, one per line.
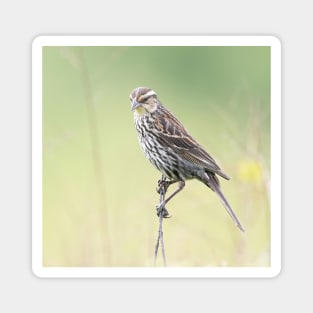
pixel 99 191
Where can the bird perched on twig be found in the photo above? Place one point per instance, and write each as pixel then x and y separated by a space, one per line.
pixel 170 148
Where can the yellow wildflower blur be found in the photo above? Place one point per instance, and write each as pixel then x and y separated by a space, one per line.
pixel 250 171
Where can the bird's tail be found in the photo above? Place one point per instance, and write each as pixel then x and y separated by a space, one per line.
pixel 213 183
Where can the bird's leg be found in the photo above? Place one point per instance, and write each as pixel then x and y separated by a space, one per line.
pixel 163 185
pixel 162 189
pixel 181 185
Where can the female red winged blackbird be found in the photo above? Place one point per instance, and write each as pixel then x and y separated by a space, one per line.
pixel 169 147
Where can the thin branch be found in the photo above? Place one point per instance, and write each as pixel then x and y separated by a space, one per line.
pixel 162 212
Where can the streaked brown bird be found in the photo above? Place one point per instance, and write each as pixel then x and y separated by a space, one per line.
pixel 170 148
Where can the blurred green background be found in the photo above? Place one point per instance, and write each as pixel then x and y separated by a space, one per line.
pixel 99 191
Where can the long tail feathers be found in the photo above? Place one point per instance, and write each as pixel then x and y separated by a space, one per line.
pixel 213 183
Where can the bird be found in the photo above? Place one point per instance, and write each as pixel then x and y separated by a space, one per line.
pixel 172 150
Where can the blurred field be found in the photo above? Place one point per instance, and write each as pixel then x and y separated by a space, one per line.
pixel 99 193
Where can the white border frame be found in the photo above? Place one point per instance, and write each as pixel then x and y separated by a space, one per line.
pixel 181 272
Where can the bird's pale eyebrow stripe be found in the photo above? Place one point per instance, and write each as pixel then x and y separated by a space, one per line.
pixel 150 93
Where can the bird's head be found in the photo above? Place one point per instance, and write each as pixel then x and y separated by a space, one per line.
pixel 143 100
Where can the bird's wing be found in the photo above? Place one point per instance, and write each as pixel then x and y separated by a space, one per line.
pixel 174 135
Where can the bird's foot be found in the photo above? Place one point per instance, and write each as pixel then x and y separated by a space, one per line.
pixel 163 186
pixel 161 209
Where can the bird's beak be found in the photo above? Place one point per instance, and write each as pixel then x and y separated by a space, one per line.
pixel 135 105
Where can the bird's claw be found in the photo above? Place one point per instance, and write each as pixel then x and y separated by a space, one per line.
pixel 162 186
pixel 161 209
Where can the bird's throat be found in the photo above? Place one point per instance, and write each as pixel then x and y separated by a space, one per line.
pixel 140 111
